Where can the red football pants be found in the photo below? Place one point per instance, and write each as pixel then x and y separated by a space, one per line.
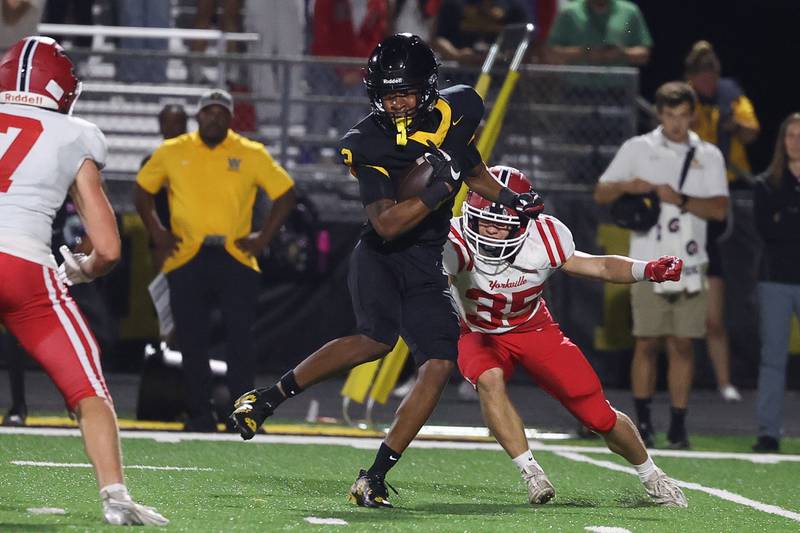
pixel 551 359
pixel 37 309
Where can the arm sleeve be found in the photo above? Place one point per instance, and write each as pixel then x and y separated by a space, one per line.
pixel 373 184
pixel 95 146
pixel 716 180
pixel 468 109
pixel 270 176
pixel 621 167
pixel 744 113
pixel 557 240
pixel 640 34
pixel 153 174
pixel 455 255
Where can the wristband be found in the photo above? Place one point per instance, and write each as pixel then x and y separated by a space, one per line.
pixel 684 201
pixel 637 270
pixel 434 195
pixel 506 197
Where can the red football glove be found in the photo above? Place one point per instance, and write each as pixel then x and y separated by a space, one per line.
pixel 666 268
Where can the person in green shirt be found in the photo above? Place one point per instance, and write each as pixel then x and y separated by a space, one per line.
pixel 600 32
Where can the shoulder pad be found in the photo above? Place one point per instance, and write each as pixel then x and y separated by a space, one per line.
pixel 464 100
pixel 549 244
pixel 94 143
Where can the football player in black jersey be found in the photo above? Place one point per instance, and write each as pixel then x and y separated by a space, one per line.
pixel 396 280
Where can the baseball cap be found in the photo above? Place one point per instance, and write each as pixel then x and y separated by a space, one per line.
pixel 216 97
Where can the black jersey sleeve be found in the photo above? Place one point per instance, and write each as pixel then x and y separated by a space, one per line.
pixel 466 114
pixel 374 182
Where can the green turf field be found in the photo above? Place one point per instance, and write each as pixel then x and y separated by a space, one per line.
pixel 258 486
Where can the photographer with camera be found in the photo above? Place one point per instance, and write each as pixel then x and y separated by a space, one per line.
pixel 664 186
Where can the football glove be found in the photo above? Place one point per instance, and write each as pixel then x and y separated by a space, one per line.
pixel 666 268
pixel 528 204
pixel 445 167
pixel 70 272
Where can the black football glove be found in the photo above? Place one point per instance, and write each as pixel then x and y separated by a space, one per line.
pixel 528 205
pixel 445 168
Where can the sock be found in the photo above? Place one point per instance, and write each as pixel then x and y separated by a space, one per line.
pixel 642 406
pixel 646 469
pixel 275 396
pixel 526 459
pixel 116 490
pixel 385 459
pixel 677 424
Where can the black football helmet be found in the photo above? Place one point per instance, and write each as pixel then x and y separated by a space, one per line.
pixel 402 62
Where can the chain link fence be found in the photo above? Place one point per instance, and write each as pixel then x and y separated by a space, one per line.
pixel 562 127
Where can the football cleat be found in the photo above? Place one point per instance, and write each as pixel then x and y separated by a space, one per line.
pixel 730 393
pixel 250 411
pixel 370 491
pixel 540 490
pixel 120 510
pixel 678 439
pixel 664 490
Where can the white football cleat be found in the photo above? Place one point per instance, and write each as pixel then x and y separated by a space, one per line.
pixel 120 510
pixel 729 393
pixel 540 490
pixel 664 490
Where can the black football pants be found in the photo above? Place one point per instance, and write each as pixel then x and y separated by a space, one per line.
pixel 214 277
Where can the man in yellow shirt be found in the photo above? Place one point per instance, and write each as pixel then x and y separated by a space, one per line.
pixel 209 253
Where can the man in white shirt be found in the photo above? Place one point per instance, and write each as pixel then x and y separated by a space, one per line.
pixel 674 312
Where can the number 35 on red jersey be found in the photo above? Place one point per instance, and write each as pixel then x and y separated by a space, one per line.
pixel 496 298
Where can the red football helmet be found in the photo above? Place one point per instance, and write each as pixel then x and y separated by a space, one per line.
pixel 477 208
pixel 36 71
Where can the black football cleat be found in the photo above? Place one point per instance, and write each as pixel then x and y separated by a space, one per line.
pixel 250 411
pixel 370 491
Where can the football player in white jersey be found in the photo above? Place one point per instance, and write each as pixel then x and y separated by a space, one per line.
pixel 498 264
pixel 45 154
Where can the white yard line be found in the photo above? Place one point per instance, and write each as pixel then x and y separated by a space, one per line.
pixel 127 467
pixel 371 443
pixel 719 493
pixel 325 521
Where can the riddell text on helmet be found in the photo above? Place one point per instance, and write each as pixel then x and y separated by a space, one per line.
pixel 17 97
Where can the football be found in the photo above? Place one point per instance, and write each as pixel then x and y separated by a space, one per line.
pixel 415 179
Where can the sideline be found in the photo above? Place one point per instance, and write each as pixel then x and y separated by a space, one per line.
pixel 373 442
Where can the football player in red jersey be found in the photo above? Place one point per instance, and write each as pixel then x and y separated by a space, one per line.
pixel 45 154
pixel 498 264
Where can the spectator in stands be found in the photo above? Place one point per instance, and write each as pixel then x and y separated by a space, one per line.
pixel 725 117
pixel 465 29
pixel 18 19
pixel 777 213
pixel 417 17
pixel 342 28
pixel 675 312
pixel 210 253
pixel 206 14
pixel 148 14
pixel 600 32
pixel 280 25
pixel 71 12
